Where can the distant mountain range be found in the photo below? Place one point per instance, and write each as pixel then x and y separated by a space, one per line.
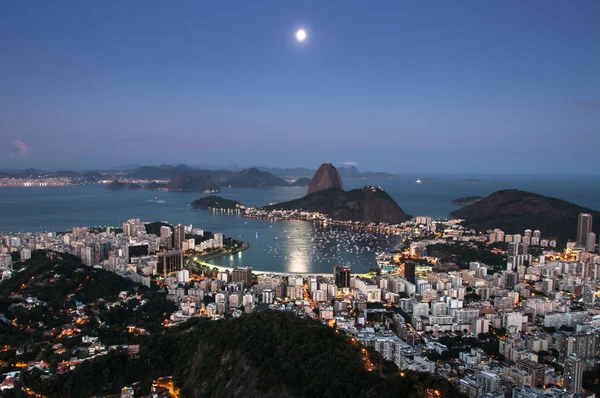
pixel 345 172
pixel 185 178
pixel 513 211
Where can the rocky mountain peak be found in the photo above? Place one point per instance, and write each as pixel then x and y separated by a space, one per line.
pixel 326 177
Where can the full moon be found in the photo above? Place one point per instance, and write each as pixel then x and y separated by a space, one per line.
pixel 300 35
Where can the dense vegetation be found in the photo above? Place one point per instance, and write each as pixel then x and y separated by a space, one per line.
pixel 53 291
pixel 122 186
pixel 513 211
pixel 215 202
pixel 262 354
pixel 463 253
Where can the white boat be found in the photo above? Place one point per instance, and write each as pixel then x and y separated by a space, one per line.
pixel 418 181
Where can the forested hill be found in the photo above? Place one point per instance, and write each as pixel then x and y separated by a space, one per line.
pixel 264 354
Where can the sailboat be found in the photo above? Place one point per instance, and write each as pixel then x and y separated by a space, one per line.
pixel 418 181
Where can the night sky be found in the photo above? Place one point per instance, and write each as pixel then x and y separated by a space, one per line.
pixel 448 86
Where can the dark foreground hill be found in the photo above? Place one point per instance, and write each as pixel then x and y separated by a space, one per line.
pixel 368 204
pixel 514 211
pixel 265 354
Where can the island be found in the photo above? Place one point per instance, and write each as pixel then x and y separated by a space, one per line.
pixel 513 211
pixel 466 201
pixel 471 181
pixel 116 185
pixel 186 182
pixel 216 202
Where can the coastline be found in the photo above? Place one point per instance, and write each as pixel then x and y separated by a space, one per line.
pixel 206 261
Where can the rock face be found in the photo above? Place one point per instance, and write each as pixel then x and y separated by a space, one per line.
pixel 368 204
pixel 326 177
pixel 514 211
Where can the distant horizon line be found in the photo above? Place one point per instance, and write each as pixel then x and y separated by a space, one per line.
pixel 419 174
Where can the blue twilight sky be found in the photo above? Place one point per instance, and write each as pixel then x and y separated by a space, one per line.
pixel 448 86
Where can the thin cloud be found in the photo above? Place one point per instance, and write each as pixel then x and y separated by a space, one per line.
pixel 350 164
pixel 19 149
pixel 589 103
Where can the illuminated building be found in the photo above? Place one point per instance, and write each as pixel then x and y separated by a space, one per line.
pixel 169 262
pixel 342 276
pixel 573 374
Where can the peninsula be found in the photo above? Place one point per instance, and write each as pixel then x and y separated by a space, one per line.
pixel 466 201
pixel 122 186
pixel 513 211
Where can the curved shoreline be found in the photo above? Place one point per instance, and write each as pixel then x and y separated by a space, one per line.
pixel 205 261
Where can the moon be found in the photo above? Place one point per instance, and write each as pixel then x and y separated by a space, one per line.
pixel 300 35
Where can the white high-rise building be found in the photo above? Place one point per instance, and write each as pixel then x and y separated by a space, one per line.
pixel 183 276
pixel 5 262
pixel 267 296
pixel 489 382
pixel 591 243
pixel 25 254
pixel 218 237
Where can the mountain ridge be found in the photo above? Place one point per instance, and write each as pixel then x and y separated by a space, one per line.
pixel 513 211
pixel 369 204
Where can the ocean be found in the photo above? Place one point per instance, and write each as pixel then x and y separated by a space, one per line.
pixel 295 247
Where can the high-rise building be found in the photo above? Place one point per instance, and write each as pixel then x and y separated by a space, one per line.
pixel 573 374
pixel 584 228
pixel 489 382
pixel 409 271
pixel 126 229
pixel 179 236
pixel 5 261
pixel 165 237
pixel 513 249
pixel 25 254
pixel 243 275
pixel 342 276
pixel 169 262
pixel 533 368
pixel 591 243
pixel 218 239
pixel 267 296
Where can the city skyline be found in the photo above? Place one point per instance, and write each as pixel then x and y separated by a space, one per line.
pixel 90 86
